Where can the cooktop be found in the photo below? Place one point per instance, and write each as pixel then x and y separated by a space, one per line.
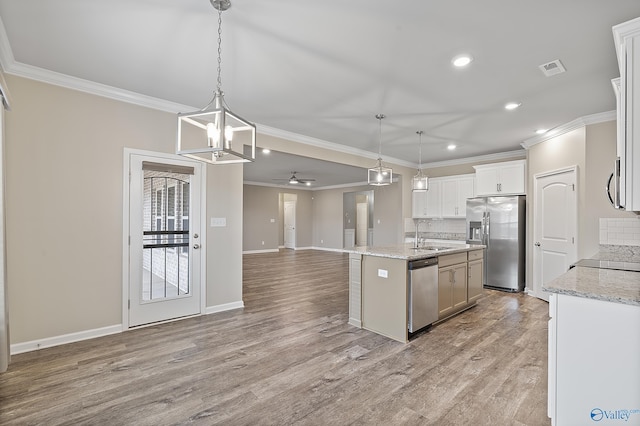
pixel 608 264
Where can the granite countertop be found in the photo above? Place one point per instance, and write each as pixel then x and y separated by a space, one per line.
pixel 602 284
pixel 407 252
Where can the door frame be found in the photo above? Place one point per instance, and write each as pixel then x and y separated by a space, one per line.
pixel 536 289
pixel 126 267
pixel 295 220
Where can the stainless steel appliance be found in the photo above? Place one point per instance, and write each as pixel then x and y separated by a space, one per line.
pixel 499 224
pixel 423 293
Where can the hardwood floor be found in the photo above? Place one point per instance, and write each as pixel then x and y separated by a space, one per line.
pixel 289 357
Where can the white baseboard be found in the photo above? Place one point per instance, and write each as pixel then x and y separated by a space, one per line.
pixel 354 322
pixel 339 250
pixel 48 342
pixel 260 251
pixel 34 345
pixel 224 307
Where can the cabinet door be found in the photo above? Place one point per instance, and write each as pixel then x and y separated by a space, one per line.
pixel 419 204
pixel 459 285
pixel 445 292
pixel 466 188
pixel 449 198
pixel 433 199
pixel 474 283
pixel 487 181
pixel 511 179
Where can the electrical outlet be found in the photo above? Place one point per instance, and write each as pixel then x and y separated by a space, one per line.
pixel 263 243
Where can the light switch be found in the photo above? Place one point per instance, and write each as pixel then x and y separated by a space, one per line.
pixel 383 273
pixel 273 221
pixel 218 222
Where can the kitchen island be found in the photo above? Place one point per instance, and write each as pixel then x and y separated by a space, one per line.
pixel 380 284
pixel 594 341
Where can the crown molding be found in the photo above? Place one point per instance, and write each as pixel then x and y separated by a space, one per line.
pixel 508 155
pixel 309 188
pixel 319 143
pixel 578 123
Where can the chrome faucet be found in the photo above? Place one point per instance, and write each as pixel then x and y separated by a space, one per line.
pixel 416 242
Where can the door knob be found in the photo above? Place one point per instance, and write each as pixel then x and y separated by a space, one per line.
pixel 537 244
pixel 196 246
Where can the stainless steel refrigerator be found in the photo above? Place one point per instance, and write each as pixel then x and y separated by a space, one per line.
pixel 499 224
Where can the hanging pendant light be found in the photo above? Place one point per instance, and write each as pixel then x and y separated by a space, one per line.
pixel 420 182
pixel 210 133
pixel 380 175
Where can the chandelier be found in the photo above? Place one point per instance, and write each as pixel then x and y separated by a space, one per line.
pixel 209 134
pixel 420 181
pixel 380 175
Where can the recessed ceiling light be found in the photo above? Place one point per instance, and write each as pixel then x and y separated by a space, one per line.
pixel 512 105
pixel 451 147
pixel 462 60
pixel 266 150
pixel 541 131
pixel 308 183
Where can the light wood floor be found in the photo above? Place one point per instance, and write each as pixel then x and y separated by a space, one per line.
pixel 289 357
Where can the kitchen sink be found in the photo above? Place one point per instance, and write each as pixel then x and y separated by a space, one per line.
pixel 432 248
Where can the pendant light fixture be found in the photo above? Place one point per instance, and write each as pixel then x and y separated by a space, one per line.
pixel 380 175
pixel 420 182
pixel 208 134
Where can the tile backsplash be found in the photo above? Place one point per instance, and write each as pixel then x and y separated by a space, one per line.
pixel 449 229
pixel 623 232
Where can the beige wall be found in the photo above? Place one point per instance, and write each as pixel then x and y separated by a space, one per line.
pixel 592 150
pixel 64 165
pixel 263 203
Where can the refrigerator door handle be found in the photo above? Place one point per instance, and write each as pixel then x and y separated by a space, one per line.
pixel 487 229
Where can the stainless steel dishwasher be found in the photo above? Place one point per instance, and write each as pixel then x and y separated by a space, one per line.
pixel 423 293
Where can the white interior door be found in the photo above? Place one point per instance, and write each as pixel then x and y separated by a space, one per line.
pixel 362 223
pixel 554 227
pixel 290 224
pixel 164 230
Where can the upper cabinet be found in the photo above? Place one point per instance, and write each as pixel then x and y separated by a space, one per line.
pixel 507 178
pixel 446 197
pixel 625 194
pixel 455 191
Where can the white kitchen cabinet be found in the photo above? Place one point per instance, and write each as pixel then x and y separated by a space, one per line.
pixel 507 178
pixel 627 88
pixel 455 191
pixel 594 373
pixel 446 197
pixel 427 204
pixel 419 205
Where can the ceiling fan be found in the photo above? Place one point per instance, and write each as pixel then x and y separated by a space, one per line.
pixel 294 180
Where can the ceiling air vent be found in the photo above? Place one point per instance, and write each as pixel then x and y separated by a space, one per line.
pixel 552 68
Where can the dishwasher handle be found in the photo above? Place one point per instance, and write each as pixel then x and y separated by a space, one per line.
pixel 422 263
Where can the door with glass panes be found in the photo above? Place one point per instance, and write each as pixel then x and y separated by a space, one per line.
pixel 164 280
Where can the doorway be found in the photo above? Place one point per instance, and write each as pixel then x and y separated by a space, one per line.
pixel 357 218
pixel 362 220
pixel 554 226
pixel 163 264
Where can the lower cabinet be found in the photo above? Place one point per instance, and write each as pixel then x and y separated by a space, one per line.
pixel 474 279
pixel 452 284
pixel 593 362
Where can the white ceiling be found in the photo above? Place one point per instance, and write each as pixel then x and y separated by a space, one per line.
pixel 324 69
